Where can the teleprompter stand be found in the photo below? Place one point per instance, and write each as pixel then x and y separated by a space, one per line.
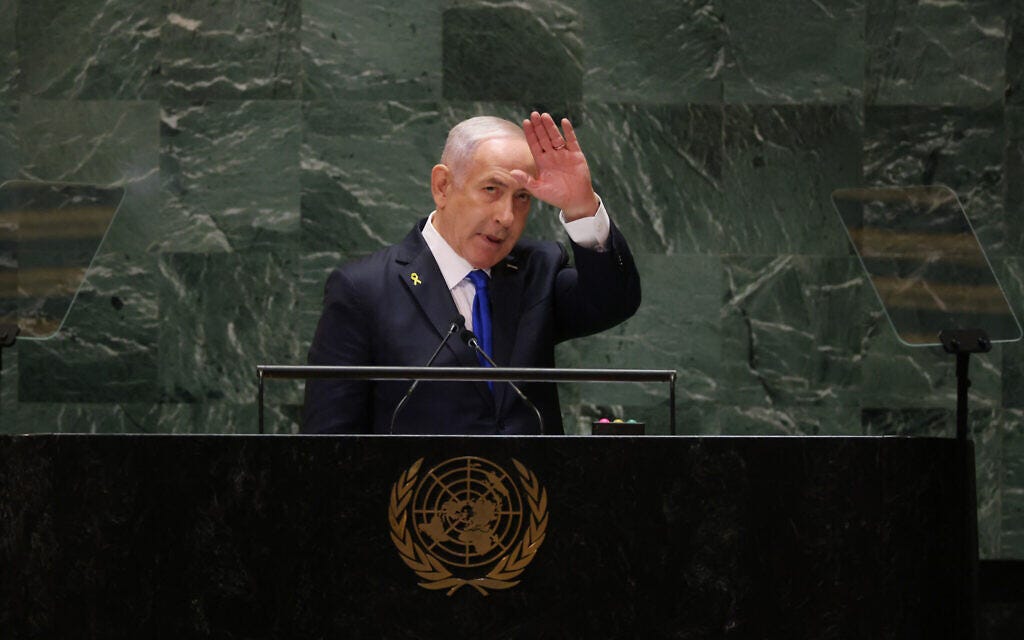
pixel 962 343
pixel 930 273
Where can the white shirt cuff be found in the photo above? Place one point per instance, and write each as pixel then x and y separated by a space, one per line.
pixel 590 232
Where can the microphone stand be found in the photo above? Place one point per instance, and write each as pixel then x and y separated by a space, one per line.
pixel 266 372
pixel 470 339
pixel 457 323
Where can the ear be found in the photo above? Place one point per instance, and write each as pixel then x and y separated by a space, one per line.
pixel 440 184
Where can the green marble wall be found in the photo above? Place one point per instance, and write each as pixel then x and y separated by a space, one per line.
pixel 263 142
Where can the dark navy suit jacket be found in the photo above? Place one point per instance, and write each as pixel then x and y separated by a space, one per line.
pixel 375 313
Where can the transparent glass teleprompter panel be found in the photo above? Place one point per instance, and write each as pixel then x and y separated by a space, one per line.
pixel 49 236
pixel 925 263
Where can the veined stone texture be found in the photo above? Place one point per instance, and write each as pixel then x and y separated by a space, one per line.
pixel 387 50
pixel 261 144
pixel 935 53
pixel 93 50
pixel 235 49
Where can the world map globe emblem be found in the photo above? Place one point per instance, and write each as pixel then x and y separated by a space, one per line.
pixel 466 522
pixel 467 512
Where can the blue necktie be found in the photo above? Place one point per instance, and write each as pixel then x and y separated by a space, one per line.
pixel 482 315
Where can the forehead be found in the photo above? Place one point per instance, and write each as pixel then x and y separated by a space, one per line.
pixel 500 156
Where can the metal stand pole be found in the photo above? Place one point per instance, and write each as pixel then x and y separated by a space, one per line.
pixel 962 343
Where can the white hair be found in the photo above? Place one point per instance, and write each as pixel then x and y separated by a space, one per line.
pixel 466 136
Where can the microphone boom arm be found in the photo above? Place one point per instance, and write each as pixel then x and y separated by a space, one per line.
pixel 474 344
pixel 464 374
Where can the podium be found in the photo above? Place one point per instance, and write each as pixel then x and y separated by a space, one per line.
pixel 488 537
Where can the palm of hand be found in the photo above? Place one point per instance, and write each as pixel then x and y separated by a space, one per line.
pixel 563 177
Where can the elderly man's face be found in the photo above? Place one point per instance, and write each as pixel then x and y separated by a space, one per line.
pixel 482 212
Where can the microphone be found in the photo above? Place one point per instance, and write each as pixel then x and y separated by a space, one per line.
pixel 470 339
pixel 458 322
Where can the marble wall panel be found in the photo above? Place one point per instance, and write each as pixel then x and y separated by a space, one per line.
pixel 961 148
pixel 935 53
pixel 230 175
pixel 1014 95
pixel 9 161
pixel 8 91
pixel 92 49
pixel 659 171
pixel 223 418
pixel 233 49
pixel 313 271
pixel 375 51
pixel 824 420
pixel 664 52
pixel 1012 487
pixel 781 164
pixel 107 348
pixel 366 173
pixel 523 52
pixel 223 314
pixel 1013 169
pixel 101 142
pixel 793 52
pixel 792 331
pixel 1010 272
pixel 163 418
pixel 898 376
pixel 8 50
pixel 56 417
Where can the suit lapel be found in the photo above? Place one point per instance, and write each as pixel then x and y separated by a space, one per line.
pixel 421 277
pixel 424 282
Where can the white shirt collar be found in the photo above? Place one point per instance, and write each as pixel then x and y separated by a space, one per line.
pixel 453 267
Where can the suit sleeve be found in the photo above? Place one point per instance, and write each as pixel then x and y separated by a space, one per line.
pixel 600 292
pixel 343 337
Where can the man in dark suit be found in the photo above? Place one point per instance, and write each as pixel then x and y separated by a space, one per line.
pixel 394 307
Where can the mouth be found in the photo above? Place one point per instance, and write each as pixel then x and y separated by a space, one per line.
pixel 493 240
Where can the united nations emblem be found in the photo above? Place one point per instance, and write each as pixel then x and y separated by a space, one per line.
pixel 465 522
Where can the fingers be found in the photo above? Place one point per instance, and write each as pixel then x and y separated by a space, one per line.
pixel 543 136
pixel 570 135
pixel 531 139
pixel 554 137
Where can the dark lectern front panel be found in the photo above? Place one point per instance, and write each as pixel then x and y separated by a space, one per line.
pixel 319 537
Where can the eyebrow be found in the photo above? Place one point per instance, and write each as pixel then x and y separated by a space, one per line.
pixel 511 183
pixel 494 179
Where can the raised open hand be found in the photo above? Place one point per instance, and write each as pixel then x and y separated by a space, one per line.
pixel 563 177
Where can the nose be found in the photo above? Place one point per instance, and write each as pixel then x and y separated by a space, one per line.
pixel 504 214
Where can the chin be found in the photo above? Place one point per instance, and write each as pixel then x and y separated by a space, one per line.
pixel 487 260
